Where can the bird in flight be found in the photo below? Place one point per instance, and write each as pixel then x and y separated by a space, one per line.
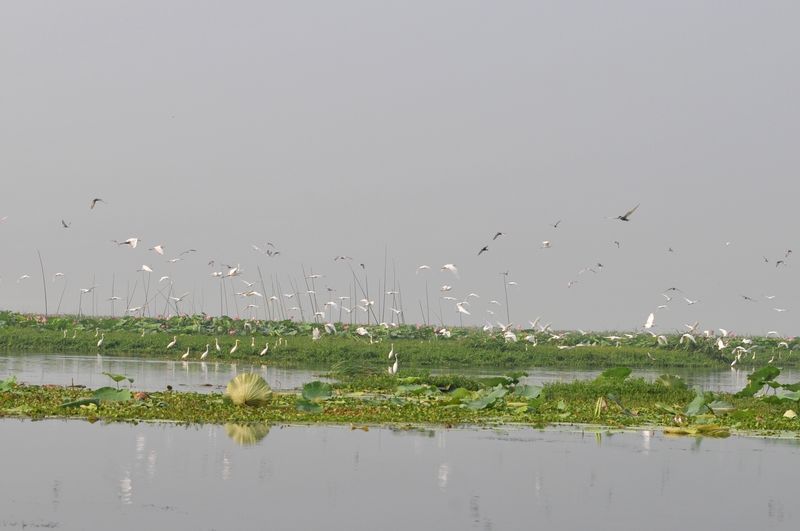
pixel 483 249
pixel 626 216
pixel 133 242
pixel 555 225
pixel 450 267
pixel 498 234
pixel 95 201
pixel 65 224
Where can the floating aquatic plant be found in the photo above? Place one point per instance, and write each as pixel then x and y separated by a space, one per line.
pixel 248 389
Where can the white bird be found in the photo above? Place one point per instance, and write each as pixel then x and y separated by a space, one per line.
pixel 57 275
pixel 114 298
pixel 172 343
pixel 445 287
pixel 158 248
pixel 146 268
pixel 235 346
pixel 546 244
pixel 461 309
pixel 780 310
pixel 688 337
pixel 186 354
pixel 205 353
pixel 422 268
pixel 393 368
pixel 133 242
pixel 650 319
pixel 315 335
pixel 691 302
pixel 265 349
pixel 102 337
pixel 216 345
pixel 23 277
pixel 162 279
pixel 450 267
pixel 391 351
pixel 330 328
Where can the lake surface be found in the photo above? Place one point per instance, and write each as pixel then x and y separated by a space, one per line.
pixel 213 376
pixel 76 475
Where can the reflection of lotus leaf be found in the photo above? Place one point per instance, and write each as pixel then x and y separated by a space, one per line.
pixel 246 434
pixel 248 389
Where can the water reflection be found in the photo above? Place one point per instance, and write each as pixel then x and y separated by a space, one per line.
pixel 247 434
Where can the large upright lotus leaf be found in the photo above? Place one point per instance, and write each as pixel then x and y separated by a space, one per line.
pixel 758 379
pixel 247 434
pixel 248 389
pixel 487 400
pixel 316 391
pixel 528 391
pixel 697 406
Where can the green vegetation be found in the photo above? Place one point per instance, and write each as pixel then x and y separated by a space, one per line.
pixel 611 400
pixel 291 343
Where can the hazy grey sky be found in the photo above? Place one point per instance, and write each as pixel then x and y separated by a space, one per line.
pixel 345 127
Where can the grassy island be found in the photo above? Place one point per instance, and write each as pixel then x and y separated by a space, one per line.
pixel 292 343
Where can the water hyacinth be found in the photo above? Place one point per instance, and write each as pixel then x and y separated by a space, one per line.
pixel 248 389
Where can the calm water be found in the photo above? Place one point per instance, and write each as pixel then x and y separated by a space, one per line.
pixel 170 477
pixel 154 375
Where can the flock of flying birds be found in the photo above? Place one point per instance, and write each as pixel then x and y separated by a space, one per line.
pixel 282 304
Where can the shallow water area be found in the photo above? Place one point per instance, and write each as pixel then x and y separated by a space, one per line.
pixel 124 476
pixel 147 374
pixel 213 375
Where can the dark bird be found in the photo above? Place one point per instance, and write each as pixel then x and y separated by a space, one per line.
pixel 780 262
pixel 626 216
pixel 95 201
pixel 555 225
pixel 751 299
pixel 65 224
pixel 497 235
pixel 616 243
pixel 483 249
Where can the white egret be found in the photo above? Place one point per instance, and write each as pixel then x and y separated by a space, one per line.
pixel 186 355
pixel 205 353
pixel 450 267
pixel 172 343
pixel 133 242
pixel 233 349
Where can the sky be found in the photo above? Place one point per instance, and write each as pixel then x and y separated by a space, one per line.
pixel 402 134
